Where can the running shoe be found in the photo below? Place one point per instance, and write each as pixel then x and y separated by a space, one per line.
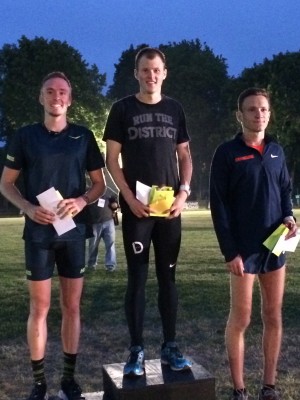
pixel 268 394
pixel 110 268
pixel 239 395
pixel 39 392
pixel 170 355
pixel 135 365
pixel 70 390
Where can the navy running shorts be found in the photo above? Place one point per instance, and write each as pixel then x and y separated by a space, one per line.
pixel 68 256
pixel 265 261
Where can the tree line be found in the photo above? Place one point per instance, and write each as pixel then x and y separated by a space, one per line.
pixel 197 78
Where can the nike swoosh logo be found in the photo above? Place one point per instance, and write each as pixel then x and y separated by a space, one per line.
pixel 75 137
pixel 172 265
pixel 273 156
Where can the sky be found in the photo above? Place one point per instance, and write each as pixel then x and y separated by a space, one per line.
pixel 242 32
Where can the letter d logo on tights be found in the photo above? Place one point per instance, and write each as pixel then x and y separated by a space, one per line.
pixel 137 247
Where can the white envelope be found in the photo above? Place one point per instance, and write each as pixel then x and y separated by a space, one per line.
pixel 142 192
pixel 49 200
pixel 291 243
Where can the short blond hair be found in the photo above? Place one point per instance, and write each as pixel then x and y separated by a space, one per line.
pixel 56 74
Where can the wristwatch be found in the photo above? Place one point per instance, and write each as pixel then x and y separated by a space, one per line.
pixel 185 188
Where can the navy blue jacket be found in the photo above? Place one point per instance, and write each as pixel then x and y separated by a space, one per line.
pixel 250 195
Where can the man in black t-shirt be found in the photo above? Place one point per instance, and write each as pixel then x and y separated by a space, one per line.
pixel 149 131
pixel 54 154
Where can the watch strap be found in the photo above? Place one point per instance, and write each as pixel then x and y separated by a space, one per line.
pixel 185 188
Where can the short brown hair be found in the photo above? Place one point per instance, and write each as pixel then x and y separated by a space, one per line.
pixel 56 74
pixel 252 91
pixel 149 52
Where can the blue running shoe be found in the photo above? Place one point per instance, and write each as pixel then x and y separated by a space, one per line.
pixel 170 355
pixel 135 365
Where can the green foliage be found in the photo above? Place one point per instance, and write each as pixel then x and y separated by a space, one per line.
pixel 22 68
pixel 280 76
pixel 124 82
pixel 196 77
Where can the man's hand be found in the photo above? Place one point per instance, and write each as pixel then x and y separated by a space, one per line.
pixel 39 214
pixel 138 208
pixel 236 266
pixel 290 223
pixel 70 207
pixel 178 204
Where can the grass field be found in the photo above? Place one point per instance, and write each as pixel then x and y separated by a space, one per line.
pixel 203 285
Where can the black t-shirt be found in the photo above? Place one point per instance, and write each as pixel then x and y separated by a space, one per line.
pixel 53 160
pixel 102 210
pixel 149 134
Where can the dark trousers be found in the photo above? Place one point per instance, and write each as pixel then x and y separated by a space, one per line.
pixel 165 235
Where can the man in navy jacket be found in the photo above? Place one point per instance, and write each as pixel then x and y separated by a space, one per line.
pixel 250 196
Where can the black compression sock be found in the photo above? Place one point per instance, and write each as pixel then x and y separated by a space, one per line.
pixel 38 371
pixel 69 365
pixel 266 387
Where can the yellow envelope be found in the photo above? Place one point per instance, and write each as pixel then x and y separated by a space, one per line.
pixel 275 242
pixel 160 200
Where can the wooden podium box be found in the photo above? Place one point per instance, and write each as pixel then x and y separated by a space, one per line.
pixel 158 383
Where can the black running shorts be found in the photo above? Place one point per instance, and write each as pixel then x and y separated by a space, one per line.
pixel 68 256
